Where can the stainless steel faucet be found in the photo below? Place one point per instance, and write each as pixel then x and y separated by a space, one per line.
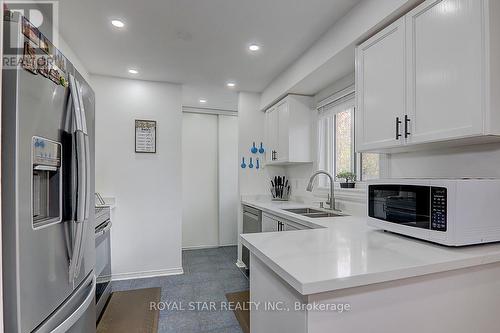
pixel 332 194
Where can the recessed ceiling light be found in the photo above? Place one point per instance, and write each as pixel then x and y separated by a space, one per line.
pixel 254 47
pixel 118 23
pixel 231 84
pixel 203 101
pixel 133 71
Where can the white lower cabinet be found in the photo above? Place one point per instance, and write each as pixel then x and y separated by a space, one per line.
pixel 432 76
pixel 269 223
pixel 290 226
pixel 272 223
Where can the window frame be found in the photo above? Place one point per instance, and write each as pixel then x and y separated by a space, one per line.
pixel 348 96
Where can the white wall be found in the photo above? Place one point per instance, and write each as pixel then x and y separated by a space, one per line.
pixel 73 58
pixel 335 87
pixel 146 234
pixel 251 129
pixel 363 19
pixel 469 161
pixel 218 97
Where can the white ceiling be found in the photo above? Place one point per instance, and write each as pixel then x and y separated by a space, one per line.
pixel 196 42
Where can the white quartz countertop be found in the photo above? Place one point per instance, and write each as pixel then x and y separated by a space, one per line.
pixel 344 252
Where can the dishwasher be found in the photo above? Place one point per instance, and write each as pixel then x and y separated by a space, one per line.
pixel 252 223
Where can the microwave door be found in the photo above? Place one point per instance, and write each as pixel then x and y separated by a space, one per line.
pixel 405 205
pixel 403 210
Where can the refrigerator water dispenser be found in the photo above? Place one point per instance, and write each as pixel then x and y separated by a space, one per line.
pixel 46 188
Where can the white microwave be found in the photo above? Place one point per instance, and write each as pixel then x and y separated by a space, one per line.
pixel 453 212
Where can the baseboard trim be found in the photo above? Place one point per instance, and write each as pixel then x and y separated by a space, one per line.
pixel 201 247
pixel 147 274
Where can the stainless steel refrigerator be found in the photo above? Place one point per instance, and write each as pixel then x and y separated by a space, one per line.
pixel 47 188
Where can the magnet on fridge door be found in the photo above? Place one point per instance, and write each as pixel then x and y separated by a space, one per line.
pixel 243 164
pixel 29 58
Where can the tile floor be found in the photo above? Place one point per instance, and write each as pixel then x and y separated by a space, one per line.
pixel 208 276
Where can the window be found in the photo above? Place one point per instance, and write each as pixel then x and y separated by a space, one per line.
pixel 336 143
pixel 344 143
pixel 370 166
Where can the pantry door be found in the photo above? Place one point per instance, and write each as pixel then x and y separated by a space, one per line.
pixel 200 204
pixel 229 196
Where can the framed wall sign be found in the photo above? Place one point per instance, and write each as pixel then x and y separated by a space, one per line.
pixel 145 136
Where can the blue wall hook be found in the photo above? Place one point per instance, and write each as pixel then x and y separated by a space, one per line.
pixel 261 149
pixel 257 166
pixel 251 164
pixel 243 165
pixel 254 149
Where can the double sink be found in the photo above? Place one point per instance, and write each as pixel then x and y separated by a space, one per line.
pixel 313 213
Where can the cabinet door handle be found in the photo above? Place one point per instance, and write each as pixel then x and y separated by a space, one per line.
pixel 407 120
pixel 398 123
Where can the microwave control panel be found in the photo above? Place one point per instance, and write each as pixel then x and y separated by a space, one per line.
pixel 438 208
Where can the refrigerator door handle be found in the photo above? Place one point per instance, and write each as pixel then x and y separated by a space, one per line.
pixel 77 115
pixel 87 179
pixel 73 318
pixel 82 209
pixel 82 181
pixel 83 155
pixel 78 218
pixel 76 252
pixel 79 92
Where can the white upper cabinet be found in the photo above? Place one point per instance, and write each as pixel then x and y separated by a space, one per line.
pixel 449 83
pixel 271 133
pixel 446 70
pixel 283 130
pixel 288 131
pixel 380 83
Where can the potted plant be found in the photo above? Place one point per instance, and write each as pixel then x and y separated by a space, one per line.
pixel 349 178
